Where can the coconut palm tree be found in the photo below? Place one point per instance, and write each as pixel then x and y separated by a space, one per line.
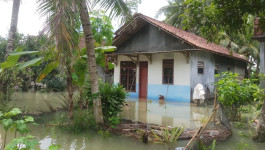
pixel 61 25
pixel 172 11
pixel 62 22
pixel 13 27
pixel 118 7
pixel 7 77
pixel 243 43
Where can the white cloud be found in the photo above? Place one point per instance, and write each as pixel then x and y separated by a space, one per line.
pixel 29 22
pixel 5 13
pixel 150 7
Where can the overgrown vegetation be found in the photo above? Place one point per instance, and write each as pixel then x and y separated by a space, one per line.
pixel 229 23
pixel 29 66
pixel 233 93
pixel 83 120
pixel 113 99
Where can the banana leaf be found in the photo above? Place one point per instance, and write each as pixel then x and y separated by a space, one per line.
pixel 11 60
pixel 32 62
pixel 49 68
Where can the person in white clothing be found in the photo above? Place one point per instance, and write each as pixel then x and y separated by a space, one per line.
pixel 198 94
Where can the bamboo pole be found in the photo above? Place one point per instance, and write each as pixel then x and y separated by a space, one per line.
pixel 202 128
pixel 215 103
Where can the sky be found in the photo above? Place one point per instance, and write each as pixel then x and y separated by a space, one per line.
pixel 29 21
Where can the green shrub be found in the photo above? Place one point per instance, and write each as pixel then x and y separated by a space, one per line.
pixel 112 99
pixel 233 92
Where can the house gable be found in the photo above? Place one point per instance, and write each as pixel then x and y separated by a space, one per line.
pixel 128 30
pixel 150 39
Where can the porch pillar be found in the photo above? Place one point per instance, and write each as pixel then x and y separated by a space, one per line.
pixel 262 64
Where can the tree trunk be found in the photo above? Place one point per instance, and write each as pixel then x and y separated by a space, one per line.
pixel 89 40
pixel 5 82
pixel 70 92
pixel 13 27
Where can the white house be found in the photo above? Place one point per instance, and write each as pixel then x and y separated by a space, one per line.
pixel 153 59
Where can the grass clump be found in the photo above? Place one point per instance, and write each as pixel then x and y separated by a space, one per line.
pixel 83 120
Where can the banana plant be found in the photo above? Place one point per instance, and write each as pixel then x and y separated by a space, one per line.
pixel 100 55
pixel 80 65
pixel 12 60
pixel 13 57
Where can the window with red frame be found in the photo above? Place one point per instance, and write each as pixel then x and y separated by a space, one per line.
pixel 168 71
pixel 128 75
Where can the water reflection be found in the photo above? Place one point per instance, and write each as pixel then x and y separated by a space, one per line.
pixel 143 110
pixel 168 114
pixel 84 141
pixel 34 101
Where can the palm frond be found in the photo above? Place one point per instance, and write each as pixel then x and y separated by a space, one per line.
pixel 234 46
pixel 172 12
pixel 244 49
pixel 174 19
pixel 117 8
pixel 61 21
pixel 167 9
pixel 255 51
pixel 224 42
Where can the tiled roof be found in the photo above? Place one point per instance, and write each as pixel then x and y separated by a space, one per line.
pixel 127 30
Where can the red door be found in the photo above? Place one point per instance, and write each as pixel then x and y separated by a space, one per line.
pixel 143 79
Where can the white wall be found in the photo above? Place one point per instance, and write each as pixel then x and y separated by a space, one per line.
pixel 181 68
pixel 240 68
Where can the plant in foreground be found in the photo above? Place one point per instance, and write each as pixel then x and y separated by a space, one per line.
pixel 23 143
pixel 210 147
pixel 14 121
pixel 167 135
pixel 233 93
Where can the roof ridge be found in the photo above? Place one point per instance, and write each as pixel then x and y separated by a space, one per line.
pixel 140 14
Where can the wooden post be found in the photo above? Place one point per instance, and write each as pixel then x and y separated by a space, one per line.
pixel 202 128
pixel 215 103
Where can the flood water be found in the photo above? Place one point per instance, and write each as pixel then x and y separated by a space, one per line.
pixel 148 111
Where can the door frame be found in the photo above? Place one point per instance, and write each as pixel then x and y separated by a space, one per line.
pixel 140 78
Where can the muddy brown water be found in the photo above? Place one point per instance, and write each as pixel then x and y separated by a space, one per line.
pixel 148 111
